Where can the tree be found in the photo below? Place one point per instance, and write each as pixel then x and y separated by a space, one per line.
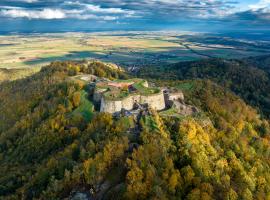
pixel 76 99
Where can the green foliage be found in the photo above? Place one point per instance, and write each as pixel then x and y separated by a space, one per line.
pixel 49 148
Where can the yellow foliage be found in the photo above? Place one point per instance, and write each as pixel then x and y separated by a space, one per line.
pixel 76 99
pixel 174 180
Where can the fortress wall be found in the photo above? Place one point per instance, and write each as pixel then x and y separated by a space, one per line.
pixel 110 106
pixel 98 95
pixel 155 101
pixel 128 102
pixel 176 96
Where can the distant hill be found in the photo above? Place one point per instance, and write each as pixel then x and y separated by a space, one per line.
pixel 248 78
pixel 50 150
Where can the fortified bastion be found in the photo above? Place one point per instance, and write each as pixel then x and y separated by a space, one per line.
pixel 134 96
pixel 113 96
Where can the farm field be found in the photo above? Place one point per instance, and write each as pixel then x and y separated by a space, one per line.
pixel 128 49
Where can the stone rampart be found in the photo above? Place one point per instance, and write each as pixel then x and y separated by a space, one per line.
pixel 128 102
pixel 110 106
pixel 155 101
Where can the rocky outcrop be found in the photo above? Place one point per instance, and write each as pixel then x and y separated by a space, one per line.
pixel 184 109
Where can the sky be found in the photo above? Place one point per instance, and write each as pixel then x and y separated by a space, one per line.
pixel 93 15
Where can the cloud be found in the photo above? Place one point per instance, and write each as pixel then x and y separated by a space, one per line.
pixel 46 13
pixel 261 4
pixel 54 14
pixel 98 9
pixel 139 11
pixel 258 16
pixel 62 10
pixel 30 1
pixel 173 9
pixel 122 9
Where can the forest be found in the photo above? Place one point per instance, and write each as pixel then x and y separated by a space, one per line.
pixel 48 153
pixel 249 78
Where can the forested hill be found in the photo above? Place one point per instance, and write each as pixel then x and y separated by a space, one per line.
pixel 53 144
pixel 249 78
pixel 261 62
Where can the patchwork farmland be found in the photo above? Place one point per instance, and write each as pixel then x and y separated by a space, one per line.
pixel 128 49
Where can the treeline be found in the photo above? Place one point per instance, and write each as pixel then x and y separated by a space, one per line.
pixel 245 78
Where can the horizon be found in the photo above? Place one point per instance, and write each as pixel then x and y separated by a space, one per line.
pixel 211 16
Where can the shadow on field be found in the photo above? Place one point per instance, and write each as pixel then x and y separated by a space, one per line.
pixel 70 56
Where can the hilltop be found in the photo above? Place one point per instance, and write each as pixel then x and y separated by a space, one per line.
pixel 55 144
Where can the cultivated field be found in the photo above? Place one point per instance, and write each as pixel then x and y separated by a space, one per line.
pixel 129 49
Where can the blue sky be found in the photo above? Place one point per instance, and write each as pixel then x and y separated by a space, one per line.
pixel 87 15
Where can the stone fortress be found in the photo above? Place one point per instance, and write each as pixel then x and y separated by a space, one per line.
pixel 128 95
pixel 133 96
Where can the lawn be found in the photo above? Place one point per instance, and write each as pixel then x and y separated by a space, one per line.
pixel 85 108
pixel 145 90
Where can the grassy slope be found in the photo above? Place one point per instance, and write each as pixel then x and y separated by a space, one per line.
pixel 85 108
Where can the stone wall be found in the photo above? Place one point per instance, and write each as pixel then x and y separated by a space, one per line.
pixel 110 106
pixel 171 97
pixel 98 95
pixel 155 101
pixel 128 102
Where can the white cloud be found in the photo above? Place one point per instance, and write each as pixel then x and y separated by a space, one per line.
pixel 125 9
pixel 46 13
pixel 98 9
pixel 261 4
pixel 94 17
pixel 31 1
pixel 49 13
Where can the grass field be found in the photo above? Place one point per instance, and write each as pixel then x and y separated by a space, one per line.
pixel 126 49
